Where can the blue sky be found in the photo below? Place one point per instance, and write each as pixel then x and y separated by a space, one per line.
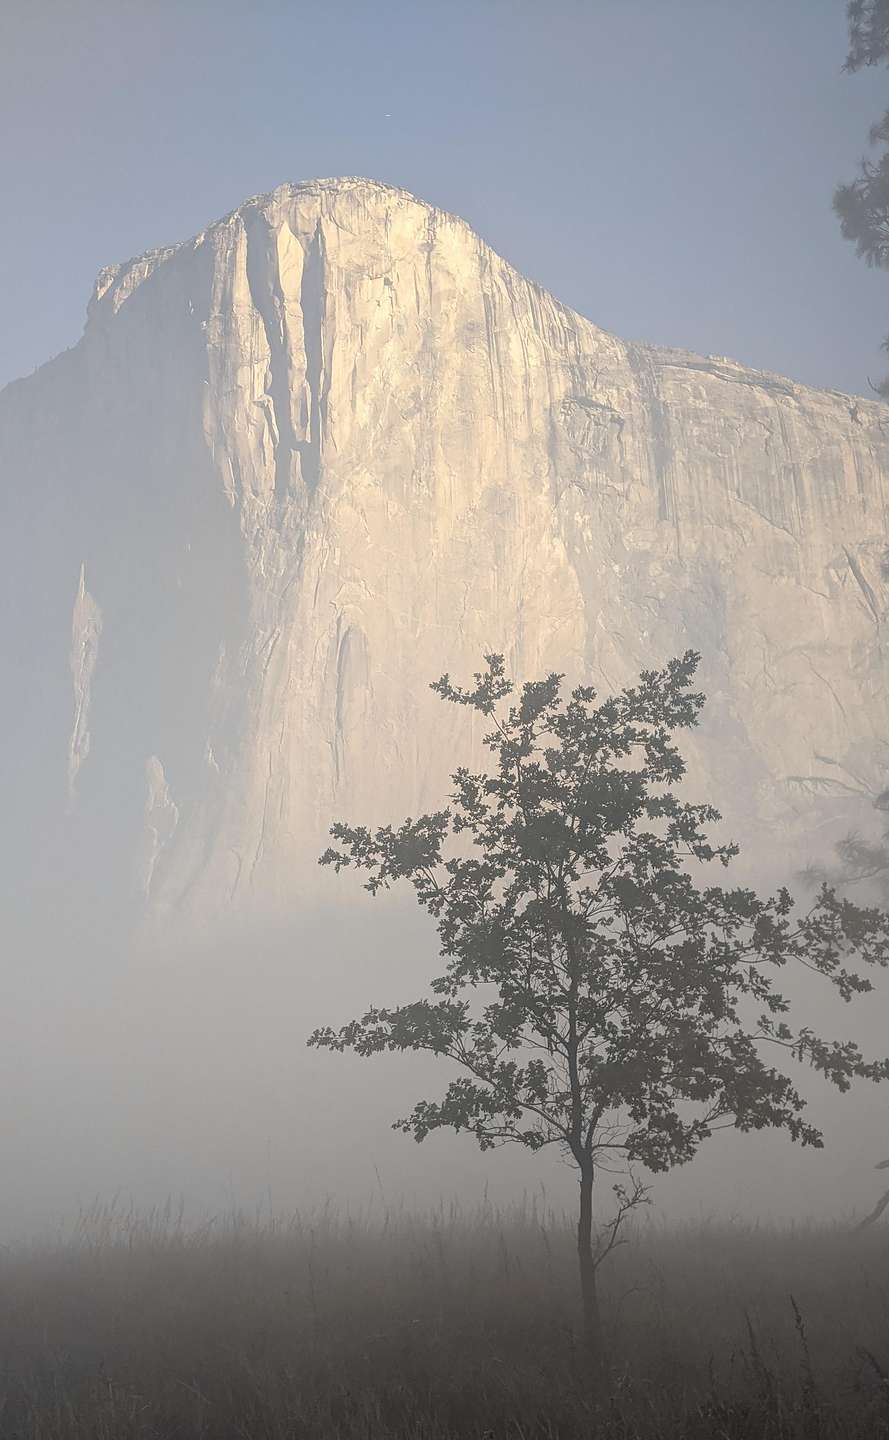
pixel 664 168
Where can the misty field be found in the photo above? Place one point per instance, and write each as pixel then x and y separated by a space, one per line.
pixel 437 1327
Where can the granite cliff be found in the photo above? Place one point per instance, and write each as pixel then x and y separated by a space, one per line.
pixel 333 446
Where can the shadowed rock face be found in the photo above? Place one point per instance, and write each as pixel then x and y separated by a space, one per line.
pixel 301 465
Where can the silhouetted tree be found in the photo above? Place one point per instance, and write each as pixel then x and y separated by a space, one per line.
pixel 858 861
pixel 858 858
pixel 863 205
pixel 594 997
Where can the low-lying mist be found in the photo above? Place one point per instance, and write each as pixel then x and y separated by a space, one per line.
pixel 156 1069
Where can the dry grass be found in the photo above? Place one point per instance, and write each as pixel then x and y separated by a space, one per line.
pixel 438 1327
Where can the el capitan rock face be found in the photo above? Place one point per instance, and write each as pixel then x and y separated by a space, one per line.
pixel 301 465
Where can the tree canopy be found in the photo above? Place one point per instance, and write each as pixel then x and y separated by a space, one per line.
pixel 594 996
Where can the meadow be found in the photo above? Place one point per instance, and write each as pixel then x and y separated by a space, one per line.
pixel 386 1325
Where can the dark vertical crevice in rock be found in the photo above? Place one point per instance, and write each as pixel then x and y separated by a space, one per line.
pixel 264 281
pixel 491 333
pixel 311 299
pixel 870 598
pixel 794 520
pixel 658 429
pixel 351 693
pixel 339 706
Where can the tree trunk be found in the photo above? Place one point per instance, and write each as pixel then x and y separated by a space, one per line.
pixel 592 1323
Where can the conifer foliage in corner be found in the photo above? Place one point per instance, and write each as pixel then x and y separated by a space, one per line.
pixel 862 206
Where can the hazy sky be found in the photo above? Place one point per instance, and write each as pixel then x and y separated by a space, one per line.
pixel 665 168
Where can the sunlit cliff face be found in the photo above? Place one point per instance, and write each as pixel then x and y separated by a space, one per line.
pixel 302 464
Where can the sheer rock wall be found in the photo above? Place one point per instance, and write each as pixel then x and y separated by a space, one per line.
pixel 334 446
